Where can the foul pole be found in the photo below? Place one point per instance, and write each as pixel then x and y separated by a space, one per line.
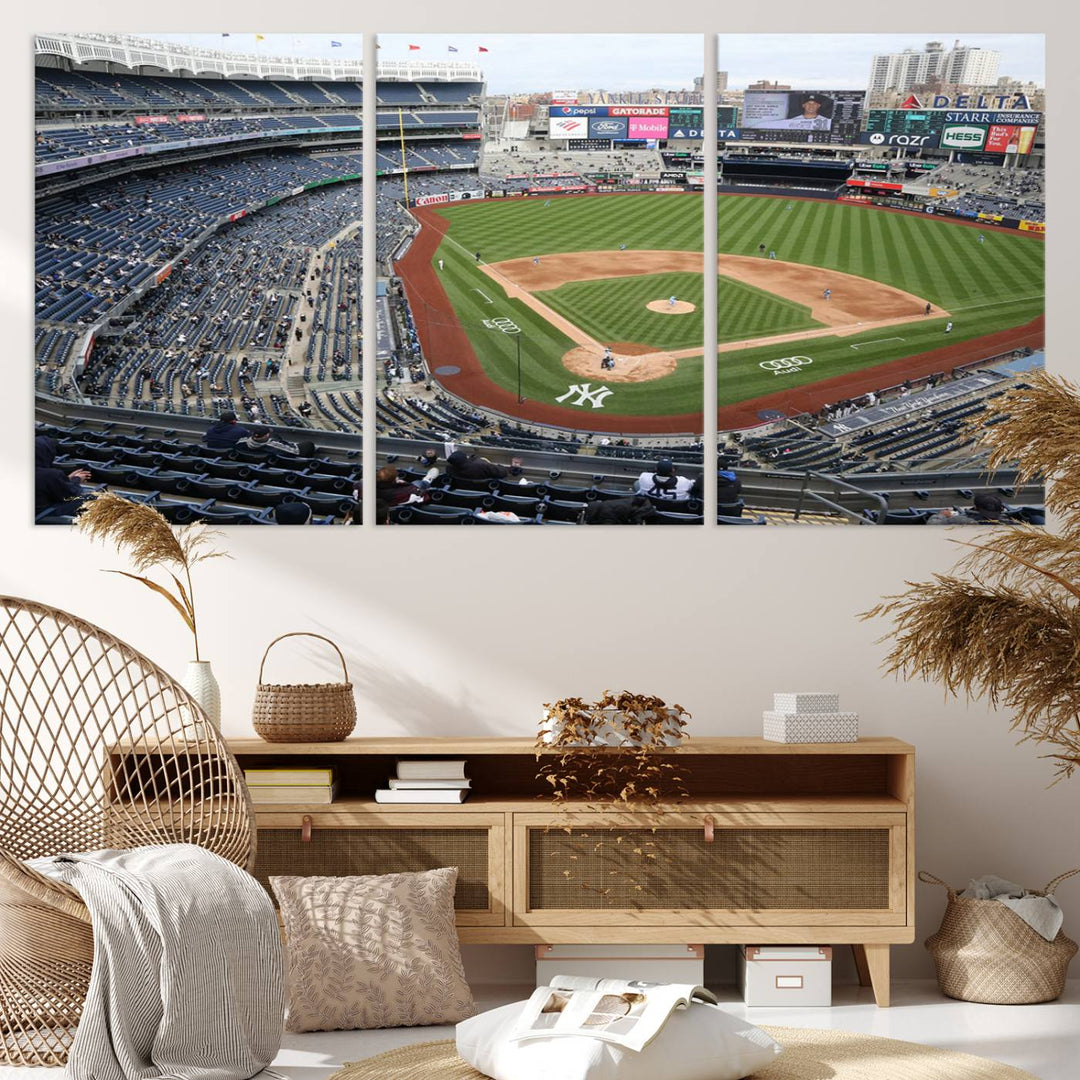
pixel 404 165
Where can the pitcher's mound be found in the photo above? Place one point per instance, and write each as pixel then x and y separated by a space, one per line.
pixel 633 363
pixel 666 307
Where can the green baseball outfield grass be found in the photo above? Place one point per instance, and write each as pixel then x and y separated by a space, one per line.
pixel 986 287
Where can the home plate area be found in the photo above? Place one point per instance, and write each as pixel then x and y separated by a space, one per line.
pixel 666 307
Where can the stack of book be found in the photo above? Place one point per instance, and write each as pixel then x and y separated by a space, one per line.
pixel 300 786
pixel 431 781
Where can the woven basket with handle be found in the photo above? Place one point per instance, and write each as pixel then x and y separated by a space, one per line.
pixel 305 712
pixel 985 952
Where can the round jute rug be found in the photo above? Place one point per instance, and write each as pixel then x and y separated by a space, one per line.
pixel 808 1055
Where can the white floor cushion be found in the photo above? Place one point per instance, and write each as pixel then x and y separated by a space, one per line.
pixel 698 1043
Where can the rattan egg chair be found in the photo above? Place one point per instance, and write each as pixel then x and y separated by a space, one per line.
pixel 99 748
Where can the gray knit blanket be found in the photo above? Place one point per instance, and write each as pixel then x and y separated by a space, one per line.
pixel 187 976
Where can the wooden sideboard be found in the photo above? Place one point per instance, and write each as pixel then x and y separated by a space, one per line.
pixel 776 843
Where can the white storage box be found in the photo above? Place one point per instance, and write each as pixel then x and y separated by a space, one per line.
pixel 813 728
pixel 802 702
pixel 781 976
pixel 645 963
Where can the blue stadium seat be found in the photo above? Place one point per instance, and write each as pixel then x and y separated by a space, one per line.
pixel 431 515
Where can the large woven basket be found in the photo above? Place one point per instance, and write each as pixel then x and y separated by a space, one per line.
pixel 985 952
pixel 305 712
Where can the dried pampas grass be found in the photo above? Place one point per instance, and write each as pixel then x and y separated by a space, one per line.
pixel 150 542
pixel 1009 631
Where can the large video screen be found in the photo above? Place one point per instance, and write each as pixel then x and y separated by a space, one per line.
pixel 802 116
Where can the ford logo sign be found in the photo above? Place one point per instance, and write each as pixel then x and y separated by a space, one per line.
pixel 607 127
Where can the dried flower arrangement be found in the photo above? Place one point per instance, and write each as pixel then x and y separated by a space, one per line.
pixel 1010 631
pixel 151 542
pixel 614 754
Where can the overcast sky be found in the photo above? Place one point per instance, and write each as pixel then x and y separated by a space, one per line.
pixel 842 61
pixel 518 63
pixel 514 63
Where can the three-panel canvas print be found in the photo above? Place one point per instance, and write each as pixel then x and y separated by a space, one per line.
pixel 547 314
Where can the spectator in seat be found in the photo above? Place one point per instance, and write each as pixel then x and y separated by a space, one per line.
pixel 664 483
pixel 634 510
pixel 262 442
pixel 728 487
pixel 53 486
pixel 226 433
pixel 463 466
pixel 986 509
pixel 294 513
pixel 395 490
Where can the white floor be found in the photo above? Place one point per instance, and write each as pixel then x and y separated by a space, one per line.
pixel 1043 1039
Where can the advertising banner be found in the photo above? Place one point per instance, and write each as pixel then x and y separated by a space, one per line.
pixel 881 138
pixel 968 116
pixel 190 118
pixel 578 110
pixel 963 137
pixel 465 196
pixel 563 97
pixel 638 110
pixel 608 127
pixel 431 200
pixel 568 127
pixel 1033 226
pixel 648 127
pixel 151 119
pixel 673 178
pixel 1009 139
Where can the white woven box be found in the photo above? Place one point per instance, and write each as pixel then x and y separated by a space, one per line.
pixel 806 704
pixel 815 728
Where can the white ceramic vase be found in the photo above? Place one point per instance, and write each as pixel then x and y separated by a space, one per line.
pixel 200 683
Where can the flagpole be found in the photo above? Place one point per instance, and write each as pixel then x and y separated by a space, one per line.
pixel 404 166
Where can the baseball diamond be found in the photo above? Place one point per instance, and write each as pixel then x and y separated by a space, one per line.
pixel 582 273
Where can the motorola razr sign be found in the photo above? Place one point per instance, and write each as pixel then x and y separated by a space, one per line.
pixel 963 137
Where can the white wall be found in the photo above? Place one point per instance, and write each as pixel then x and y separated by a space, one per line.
pixel 468 632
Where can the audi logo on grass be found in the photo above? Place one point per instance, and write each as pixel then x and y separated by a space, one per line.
pixel 786 364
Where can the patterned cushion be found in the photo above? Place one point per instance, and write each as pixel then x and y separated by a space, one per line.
pixel 373 952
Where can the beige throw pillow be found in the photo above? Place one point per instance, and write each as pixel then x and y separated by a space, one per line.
pixel 373 952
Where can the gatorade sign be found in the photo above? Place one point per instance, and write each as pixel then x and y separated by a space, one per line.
pixel 963 137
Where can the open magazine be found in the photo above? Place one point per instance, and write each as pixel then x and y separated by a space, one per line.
pixel 615 1010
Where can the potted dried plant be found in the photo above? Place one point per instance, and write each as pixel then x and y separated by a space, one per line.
pixel 151 543
pixel 618 753
pixel 1004 625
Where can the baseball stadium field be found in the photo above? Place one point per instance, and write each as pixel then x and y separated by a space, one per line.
pixel 568 278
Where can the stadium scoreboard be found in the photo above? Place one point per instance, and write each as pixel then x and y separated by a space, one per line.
pixel 830 117
pixel 890 122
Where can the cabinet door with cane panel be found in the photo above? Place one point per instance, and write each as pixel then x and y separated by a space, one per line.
pixel 334 843
pixel 710 868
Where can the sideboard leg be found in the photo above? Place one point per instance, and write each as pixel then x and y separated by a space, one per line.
pixel 877 961
pixel 861 965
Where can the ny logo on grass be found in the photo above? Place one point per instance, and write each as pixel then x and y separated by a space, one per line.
pixel 586 395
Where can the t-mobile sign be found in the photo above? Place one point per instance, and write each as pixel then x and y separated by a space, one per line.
pixel 648 127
